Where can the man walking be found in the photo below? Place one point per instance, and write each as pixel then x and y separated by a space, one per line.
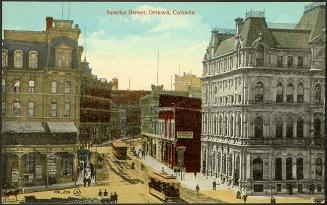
pixel 197 188
pixel 245 197
pixel 115 198
pixel 214 184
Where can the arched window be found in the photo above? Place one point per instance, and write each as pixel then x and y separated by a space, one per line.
pixel 289 168
pixel 257 169
pixel 318 167
pixel 67 87
pixel 231 122
pixel 18 59
pixel 300 93
pixel 259 92
pixel 33 59
pixel 279 128
pixel 317 93
pixel 299 168
pixel 4 58
pixel 16 109
pixel 31 86
pixel 289 128
pixel 258 127
pixel 260 55
pixel 289 93
pixel 17 87
pixel 54 87
pixel 53 109
pixel 279 92
pixel 31 109
pixel 317 128
pixel 299 128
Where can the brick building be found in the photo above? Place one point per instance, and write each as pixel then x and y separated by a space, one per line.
pixel 263 105
pixel 40 104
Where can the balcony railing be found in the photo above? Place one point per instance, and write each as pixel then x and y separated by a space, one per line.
pixel 255 14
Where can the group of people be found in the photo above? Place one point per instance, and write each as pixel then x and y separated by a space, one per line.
pixel 143 153
pixel 88 172
pixel 104 197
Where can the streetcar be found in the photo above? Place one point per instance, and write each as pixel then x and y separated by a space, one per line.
pixel 119 149
pixel 164 186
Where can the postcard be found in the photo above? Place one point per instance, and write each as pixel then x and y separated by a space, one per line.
pixel 163 102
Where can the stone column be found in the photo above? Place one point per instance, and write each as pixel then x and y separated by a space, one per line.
pixel 75 167
pixel 248 167
pixel 284 129
pixel 20 171
pixel 312 127
pixel 295 94
pixel 294 168
pixel 233 165
pixel 283 168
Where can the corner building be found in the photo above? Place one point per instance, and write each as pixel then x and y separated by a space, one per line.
pixel 263 97
pixel 40 104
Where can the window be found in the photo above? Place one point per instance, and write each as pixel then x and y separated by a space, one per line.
pixel 260 55
pixel 279 187
pixel 300 61
pixel 18 59
pixel 54 87
pixel 317 129
pixel 280 61
pixel 299 168
pixel 66 109
pixel 289 61
pixel 67 87
pixel 317 93
pixel 279 128
pixel 3 86
pixel 278 169
pixel 289 128
pixel 299 128
pixel 259 92
pixel 300 93
pixel 257 169
pixel 29 163
pixel 54 109
pixel 31 109
pixel 238 126
pixel 231 129
pixel 258 127
pixel 318 167
pixel 31 86
pixel 300 188
pixel 289 93
pixel 279 93
pixel 220 125
pixel 16 87
pixel 63 58
pixel 3 108
pixel 289 169
pixel 4 58
pixel 33 59
pixel 16 109
pixel 67 165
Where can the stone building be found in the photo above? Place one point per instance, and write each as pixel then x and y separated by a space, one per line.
pixel 40 104
pixel 96 112
pixel 189 83
pixel 263 122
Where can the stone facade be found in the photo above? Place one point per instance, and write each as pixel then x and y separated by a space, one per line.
pixel 40 104
pixel 263 122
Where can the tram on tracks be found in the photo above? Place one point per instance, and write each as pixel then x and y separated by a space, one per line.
pixel 164 186
pixel 119 149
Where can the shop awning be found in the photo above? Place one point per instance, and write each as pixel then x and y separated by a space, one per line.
pixel 62 127
pixel 22 127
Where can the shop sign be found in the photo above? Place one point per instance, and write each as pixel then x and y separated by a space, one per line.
pixel 38 171
pixel 52 165
pixel 184 135
pixel 14 175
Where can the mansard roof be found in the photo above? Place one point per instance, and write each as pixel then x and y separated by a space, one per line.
pixel 288 38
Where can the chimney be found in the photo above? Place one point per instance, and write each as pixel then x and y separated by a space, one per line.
pixel 239 22
pixel 49 21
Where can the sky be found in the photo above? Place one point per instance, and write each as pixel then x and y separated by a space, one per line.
pixel 126 46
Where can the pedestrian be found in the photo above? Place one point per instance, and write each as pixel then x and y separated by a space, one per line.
pixel 84 181
pixel 214 184
pixel 194 174
pixel 272 200
pixel 105 193
pixel 112 198
pixel 88 177
pixel 115 198
pixel 162 169
pixel 245 198
pixel 197 188
pixel 100 193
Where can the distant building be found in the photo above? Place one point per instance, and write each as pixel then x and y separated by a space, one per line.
pixel 263 123
pixel 126 102
pixel 188 83
pixel 152 136
pixel 40 104
pixel 114 83
pixel 96 114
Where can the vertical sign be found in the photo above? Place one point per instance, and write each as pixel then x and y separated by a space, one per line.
pixel 14 175
pixel 52 168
